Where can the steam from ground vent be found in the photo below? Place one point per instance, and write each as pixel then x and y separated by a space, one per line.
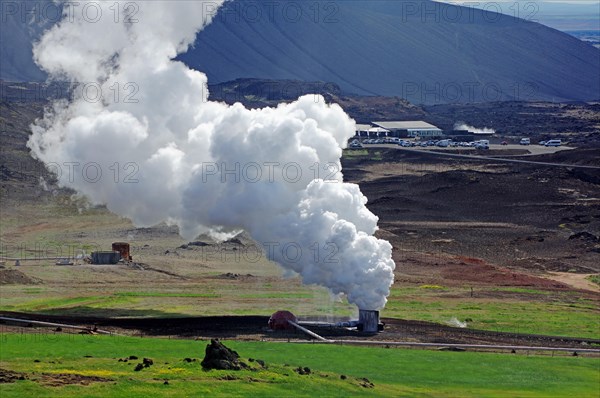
pixel 476 130
pixel 153 148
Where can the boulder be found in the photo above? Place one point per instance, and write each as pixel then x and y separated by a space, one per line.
pixel 220 357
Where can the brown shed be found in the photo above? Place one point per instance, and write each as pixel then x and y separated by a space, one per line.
pixel 123 248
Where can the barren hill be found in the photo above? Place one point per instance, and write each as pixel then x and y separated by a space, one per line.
pixel 419 50
pixel 422 51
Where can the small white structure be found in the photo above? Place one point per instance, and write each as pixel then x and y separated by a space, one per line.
pixel 363 129
pixel 379 131
pixel 411 128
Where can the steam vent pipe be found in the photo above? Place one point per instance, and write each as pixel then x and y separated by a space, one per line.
pixel 368 321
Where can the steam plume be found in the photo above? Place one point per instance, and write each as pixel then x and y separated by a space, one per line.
pixel 160 151
pixel 464 126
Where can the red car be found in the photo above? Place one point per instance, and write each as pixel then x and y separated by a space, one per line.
pixel 504 143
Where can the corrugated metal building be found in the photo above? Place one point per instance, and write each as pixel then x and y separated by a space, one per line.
pixel 411 128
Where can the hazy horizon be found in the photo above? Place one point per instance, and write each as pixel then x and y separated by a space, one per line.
pixel 562 15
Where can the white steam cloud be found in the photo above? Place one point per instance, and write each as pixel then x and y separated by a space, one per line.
pixel 464 126
pixel 456 323
pixel 153 149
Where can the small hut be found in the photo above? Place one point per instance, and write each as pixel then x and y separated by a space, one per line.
pixel 123 249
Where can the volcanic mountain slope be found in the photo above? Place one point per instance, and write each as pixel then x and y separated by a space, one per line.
pixel 533 119
pixel 422 51
pixel 20 25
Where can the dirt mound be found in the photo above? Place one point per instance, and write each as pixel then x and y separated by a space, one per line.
pixel 488 274
pixel 230 275
pixel 549 265
pixel 63 379
pixel 50 379
pixel 16 277
pixel 220 357
pixel 8 376
pixel 586 236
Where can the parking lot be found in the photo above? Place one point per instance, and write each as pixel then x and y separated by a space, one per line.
pixel 533 149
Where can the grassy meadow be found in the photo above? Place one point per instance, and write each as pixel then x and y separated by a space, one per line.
pixel 335 370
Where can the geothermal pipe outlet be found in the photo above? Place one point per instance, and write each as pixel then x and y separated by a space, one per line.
pixel 368 321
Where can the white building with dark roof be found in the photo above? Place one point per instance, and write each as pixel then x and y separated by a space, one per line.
pixel 411 128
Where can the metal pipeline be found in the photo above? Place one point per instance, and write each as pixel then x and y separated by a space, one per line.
pixel 308 332
pixel 440 345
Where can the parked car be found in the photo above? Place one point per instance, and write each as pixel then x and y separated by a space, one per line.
pixel 553 143
pixel 542 143
pixel 504 143
pixel 482 145
pixel 525 141
pixel 355 145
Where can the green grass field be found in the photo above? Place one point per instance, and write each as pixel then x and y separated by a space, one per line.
pixel 528 311
pixel 394 372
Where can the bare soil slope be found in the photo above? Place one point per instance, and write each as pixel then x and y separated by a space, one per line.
pixel 512 215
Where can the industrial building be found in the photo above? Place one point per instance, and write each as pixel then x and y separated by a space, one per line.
pixel 411 129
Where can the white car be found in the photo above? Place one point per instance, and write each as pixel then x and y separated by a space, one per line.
pixel 553 143
pixel 525 141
